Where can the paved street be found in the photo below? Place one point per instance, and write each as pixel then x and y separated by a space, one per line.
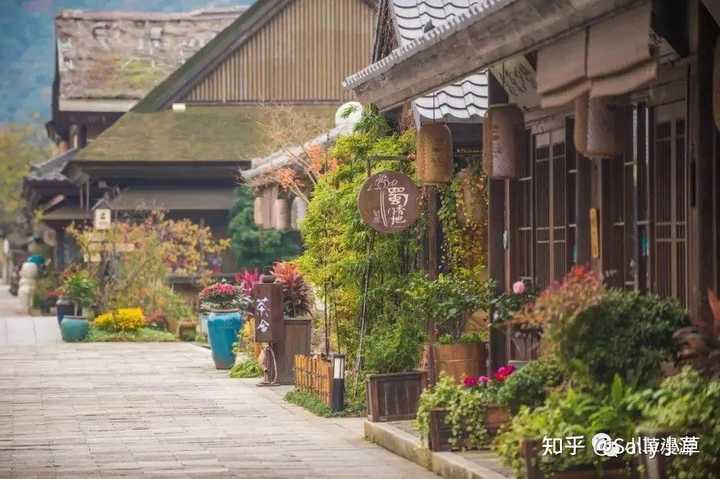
pixel 17 329
pixel 161 410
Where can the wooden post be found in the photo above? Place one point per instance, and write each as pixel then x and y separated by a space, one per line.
pixel 703 32
pixel 432 196
pixel 497 349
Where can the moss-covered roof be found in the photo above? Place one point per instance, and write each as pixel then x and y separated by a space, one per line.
pixel 199 134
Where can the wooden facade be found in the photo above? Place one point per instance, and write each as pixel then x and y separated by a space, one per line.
pixel 300 56
pixel 655 205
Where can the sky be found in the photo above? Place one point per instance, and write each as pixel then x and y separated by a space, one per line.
pixel 27 49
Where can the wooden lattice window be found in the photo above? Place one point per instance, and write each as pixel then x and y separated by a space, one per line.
pixel 543 210
pixel 669 182
pixel 552 226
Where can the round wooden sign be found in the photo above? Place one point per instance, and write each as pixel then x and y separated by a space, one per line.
pixel 388 202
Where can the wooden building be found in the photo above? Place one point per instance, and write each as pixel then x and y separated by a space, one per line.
pixel 182 146
pixel 106 61
pixel 627 183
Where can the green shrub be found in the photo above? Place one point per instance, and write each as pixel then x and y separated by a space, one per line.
pixel 529 385
pixel 246 369
pixel 686 404
pixel 568 413
pixel 142 335
pixel 393 348
pixel 627 334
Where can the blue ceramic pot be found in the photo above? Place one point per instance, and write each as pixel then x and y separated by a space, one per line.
pixel 64 307
pixel 223 327
pixel 74 328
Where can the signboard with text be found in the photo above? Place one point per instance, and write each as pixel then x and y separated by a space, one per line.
pixel 388 202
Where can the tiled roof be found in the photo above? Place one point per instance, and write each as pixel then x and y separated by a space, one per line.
pixel 286 157
pixel 465 101
pixel 51 170
pixel 473 11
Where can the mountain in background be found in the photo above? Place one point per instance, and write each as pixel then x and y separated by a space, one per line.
pixel 27 48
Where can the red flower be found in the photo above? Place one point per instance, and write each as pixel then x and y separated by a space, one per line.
pixel 504 372
pixel 471 381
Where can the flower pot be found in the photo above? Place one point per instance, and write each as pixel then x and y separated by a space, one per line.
pixel 440 432
pixel 223 327
pixel 394 396
pixel 612 469
pixel 495 417
pixel 460 360
pixel 64 307
pixel 74 328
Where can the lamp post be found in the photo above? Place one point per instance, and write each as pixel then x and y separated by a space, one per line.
pixel 338 387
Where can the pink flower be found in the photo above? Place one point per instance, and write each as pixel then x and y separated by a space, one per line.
pixel 518 287
pixel 470 381
pixel 483 379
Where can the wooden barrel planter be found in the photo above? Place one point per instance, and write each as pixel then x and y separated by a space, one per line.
pixel 460 360
pixel 440 432
pixel 394 396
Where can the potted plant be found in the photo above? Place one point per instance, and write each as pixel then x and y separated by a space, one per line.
pixel 80 289
pixel 225 304
pixel 448 302
pixel 394 385
pixel 554 440
pixel 466 416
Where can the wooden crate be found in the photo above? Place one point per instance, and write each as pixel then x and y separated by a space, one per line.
pixel 314 375
pixel 395 396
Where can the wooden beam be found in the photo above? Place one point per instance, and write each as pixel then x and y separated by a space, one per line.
pixel 517 28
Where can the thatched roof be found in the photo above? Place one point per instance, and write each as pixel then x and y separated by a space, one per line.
pixel 199 134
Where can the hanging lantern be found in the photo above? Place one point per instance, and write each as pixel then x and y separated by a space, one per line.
pixel 258 211
pixel 473 207
pixel 504 135
pixel 298 209
pixel 434 153
pixel 281 214
pixel 602 132
pixel 716 84
pixel 580 133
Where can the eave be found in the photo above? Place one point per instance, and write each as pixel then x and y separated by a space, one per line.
pixel 493 31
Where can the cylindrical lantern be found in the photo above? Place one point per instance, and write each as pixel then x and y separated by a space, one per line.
pixel 504 148
pixel 473 208
pixel 602 138
pixel 716 84
pixel 581 123
pixel 258 211
pixel 298 209
pixel 281 214
pixel 434 153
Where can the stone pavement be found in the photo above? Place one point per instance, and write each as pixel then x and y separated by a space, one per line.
pixel 17 329
pixel 161 410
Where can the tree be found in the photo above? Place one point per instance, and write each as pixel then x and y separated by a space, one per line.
pixel 252 246
pixel 17 153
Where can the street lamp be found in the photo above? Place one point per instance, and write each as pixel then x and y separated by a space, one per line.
pixel 338 387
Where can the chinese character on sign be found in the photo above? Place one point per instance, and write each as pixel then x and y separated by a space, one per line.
pixel 263 310
pixel 690 445
pixel 388 202
pixel 103 219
